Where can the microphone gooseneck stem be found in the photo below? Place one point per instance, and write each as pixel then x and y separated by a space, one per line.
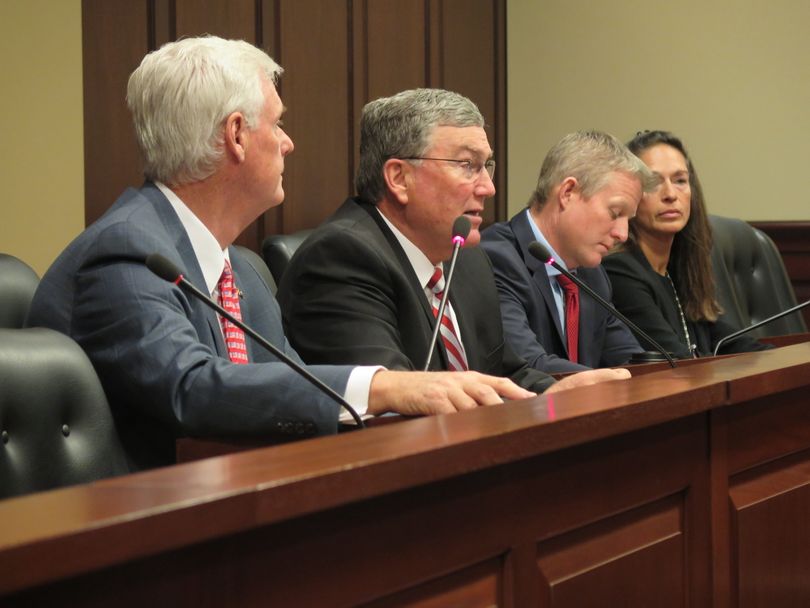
pixel 613 310
pixel 542 254
pixel 457 243
pixel 182 282
pixel 737 334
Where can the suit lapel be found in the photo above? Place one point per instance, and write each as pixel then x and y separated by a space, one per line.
pixel 405 264
pixel 187 261
pixel 589 313
pixel 257 304
pixel 525 236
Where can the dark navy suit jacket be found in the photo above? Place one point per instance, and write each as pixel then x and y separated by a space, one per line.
pixel 530 320
pixel 159 354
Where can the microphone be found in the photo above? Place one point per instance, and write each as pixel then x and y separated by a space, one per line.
pixel 745 330
pixel 541 253
pixel 461 228
pixel 168 271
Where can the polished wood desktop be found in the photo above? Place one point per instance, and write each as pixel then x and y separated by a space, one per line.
pixel 679 487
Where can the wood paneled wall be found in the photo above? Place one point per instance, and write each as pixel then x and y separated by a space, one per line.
pixel 337 55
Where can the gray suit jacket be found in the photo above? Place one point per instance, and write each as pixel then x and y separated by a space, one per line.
pixel 350 295
pixel 160 354
pixel 530 319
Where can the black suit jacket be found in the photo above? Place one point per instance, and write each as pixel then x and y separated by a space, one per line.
pixel 350 295
pixel 646 298
pixel 531 322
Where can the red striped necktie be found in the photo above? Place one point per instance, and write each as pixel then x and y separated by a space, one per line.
pixel 456 359
pixel 229 300
pixel 571 292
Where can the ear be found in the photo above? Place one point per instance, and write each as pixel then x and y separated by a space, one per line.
pixel 567 191
pixel 397 175
pixel 236 136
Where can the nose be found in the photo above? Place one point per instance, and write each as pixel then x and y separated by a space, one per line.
pixel 287 145
pixel 484 186
pixel 667 191
pixel 620 229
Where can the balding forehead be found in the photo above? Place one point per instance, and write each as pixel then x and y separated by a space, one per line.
pixel 472 140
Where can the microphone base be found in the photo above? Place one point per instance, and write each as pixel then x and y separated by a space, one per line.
pixel 648 356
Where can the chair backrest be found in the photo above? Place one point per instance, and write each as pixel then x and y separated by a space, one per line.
pixel 56 428
pixel 258 264
pixel 752 283
pixel 18 282
pixel 279 248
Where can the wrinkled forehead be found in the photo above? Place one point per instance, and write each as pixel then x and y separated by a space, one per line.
pixel 456 140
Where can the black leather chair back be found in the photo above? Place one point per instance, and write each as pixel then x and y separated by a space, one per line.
pixel 752 283
pixel 258 264
pixel 56 428
pixel 279 248
pixel 18 282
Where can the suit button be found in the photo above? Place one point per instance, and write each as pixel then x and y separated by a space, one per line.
pixel 4 436
pixel 65 430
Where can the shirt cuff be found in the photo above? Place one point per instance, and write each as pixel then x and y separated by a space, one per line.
pixel 357 389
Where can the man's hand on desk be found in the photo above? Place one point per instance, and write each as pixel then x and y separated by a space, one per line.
pixel 592 376
pixel 419 393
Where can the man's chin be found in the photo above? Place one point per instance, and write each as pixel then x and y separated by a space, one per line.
pixel 473 239
pixel 594 262
pixel 276 199
pixel 589 261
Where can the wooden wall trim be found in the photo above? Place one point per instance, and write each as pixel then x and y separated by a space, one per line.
pixel 338 56
pixel 500 144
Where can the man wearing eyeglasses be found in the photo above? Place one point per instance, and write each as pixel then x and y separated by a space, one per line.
pixel 362 288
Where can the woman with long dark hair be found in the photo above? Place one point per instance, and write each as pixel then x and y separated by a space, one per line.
pixel 662 277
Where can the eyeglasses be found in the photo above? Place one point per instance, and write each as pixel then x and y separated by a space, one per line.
pixel 470 169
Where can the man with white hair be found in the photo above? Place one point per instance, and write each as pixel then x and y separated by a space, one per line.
pixel 208 121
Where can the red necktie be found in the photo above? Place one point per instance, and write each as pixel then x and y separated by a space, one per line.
pixel 571 315
pixel 229 300
pixel 457 362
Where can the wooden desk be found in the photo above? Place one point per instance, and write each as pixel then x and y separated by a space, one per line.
pixel 786 340
pixel 680 487
pixel 777 341
pixel 190 449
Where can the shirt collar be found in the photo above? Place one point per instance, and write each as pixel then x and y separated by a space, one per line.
pixel 539 237
pixel 210 256
pixel 419 262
